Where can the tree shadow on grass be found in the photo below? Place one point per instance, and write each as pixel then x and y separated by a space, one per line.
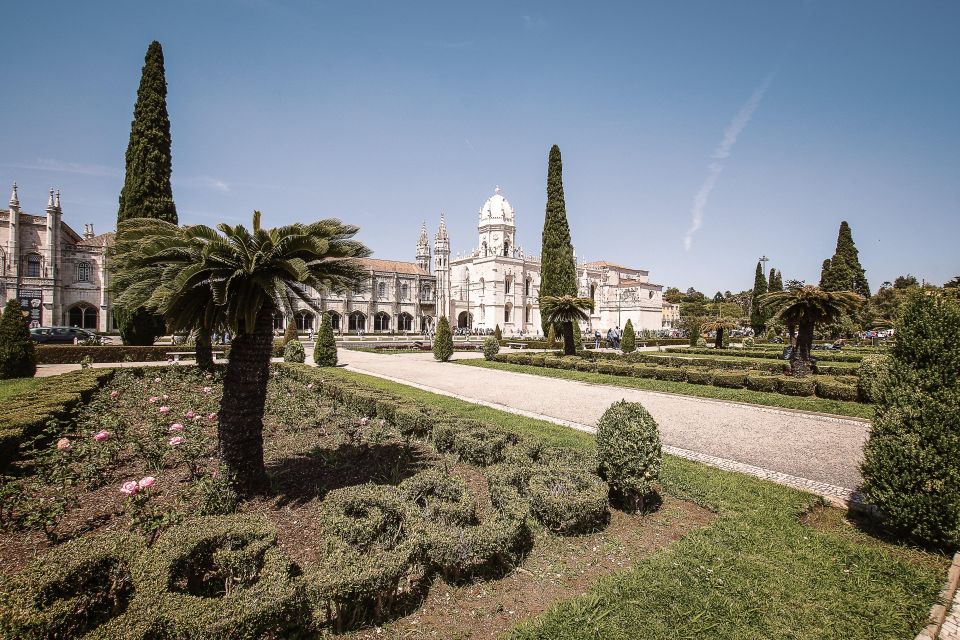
pixel 302 478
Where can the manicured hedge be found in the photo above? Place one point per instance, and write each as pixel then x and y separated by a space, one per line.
pixel 25 416
pixel 822 356
pixel 74 354
pixel 796 386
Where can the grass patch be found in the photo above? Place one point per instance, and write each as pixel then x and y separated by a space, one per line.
pixel 16 386
pixel 819 405
pixel 758 571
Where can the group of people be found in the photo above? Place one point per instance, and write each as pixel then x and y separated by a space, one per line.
pixel 614 336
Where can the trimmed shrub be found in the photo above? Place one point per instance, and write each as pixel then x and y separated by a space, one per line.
pixel 18 358
pixel 567 363
pixel 834 390
pixel 868 376
pixel 675 374
pixel 443 341
pixel 796 386
pixel 75 354
pixel 293 352
pixel 701 342
pixel 325 349
pixel 696 375
pixel 614 368
pixel 642 371
pixel 629 342
pixel 629 455
pixel 910 467
pixel 730 379
pixel 568 500
pixel 497 334
pixel 72 590
pixel 586 365
pixel 491 347
pixel 748 341
pixel 290 333
pixel 762 383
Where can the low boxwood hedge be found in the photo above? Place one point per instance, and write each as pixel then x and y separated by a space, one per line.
pixel 757 382
pixel 836 390
pixel 730 379
pixel 796 386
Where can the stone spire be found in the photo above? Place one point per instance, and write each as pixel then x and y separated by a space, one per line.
pixel 56 201
pixel 423 248
pixel 50 204
pixel 14 199
pixel 442 231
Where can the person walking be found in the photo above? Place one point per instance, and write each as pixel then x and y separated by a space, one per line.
pixel 596 339
pixel 616 338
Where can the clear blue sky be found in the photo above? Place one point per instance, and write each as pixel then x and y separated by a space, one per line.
pixel 768 121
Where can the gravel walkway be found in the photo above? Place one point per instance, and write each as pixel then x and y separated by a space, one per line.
pixel 818 453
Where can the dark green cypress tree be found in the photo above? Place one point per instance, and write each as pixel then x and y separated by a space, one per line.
pixel 776 284
pixel 844 272
pixel 443 341
pixel 325 349
pixel 146 186
pixel 558 270
pixel 629 342
pixel 910 468
pixel 18 356
pixel 498 334
pixel 758 316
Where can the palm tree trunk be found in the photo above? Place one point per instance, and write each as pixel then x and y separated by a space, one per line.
pixel 204 349
pixel 800 356
pixel 240 430
pixel 568 346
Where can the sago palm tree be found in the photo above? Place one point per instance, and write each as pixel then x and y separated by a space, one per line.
pixel 239 279
pixel 564 311
pixel 720 326
pixel 804 308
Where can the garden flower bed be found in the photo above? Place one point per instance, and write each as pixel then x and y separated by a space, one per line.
pixel 119 524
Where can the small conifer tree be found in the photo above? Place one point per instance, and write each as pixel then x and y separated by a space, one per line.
pixel 325 349
pixel 758 315
pixel 629 342
pixel 910 468
pixel 577 337
pixel 290 333
pixel 497 333
pixel 443 341
pixel 551 336
pixel 18 357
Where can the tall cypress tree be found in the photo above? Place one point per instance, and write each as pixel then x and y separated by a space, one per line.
pixel 146 189
pixel 146 186
pixel 558 270
pixel 843 272
pixel 758 317
pixel 777 283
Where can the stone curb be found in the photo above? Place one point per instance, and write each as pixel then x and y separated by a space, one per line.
pixel 939 611
pixel 841 497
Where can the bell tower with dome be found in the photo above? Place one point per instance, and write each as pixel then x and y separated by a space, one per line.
pixel 497 228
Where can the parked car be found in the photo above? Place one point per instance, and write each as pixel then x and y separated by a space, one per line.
pixel 60 335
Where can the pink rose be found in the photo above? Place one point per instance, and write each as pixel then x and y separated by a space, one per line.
pixel 130 487
pixel 310 386
pixel 164 409
pixel 191 414
pixel 146 482
pixel 211 416
pixel 174 441
pixel 154 398
pixel 114 394
pixel 207 389
pixel 364 422
pixel 165 397
pixel 101 435
pixel 157 380
pixel 176 426
pixel 63 444
pixel 382 423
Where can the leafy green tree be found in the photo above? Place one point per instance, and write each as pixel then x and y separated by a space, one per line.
pixel 18 355
pixel 910 468
pixel 673 295
pixel 804 309
pixel 953 284
pixel 566 311
pixel 325 350
pixel 758 315
pixel 443 341
pixel 718 297
pixel 905 282
pixel 577 337
pixel 147 192
pixel 693 325
pixel 250 275
pixel 843 272
pixel 629 342
pixel 558 270
pixel 497 333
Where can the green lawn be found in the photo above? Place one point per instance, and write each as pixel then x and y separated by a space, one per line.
pixel 16 386
pixel 819 405
pixel 758 571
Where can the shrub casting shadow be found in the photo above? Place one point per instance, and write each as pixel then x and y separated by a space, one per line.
pixel 300 479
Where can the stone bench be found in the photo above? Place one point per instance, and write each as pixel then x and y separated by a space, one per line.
pixel 517 345
pixel 177 355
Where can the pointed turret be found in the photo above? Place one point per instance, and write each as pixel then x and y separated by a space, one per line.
pixel 50 205
pixel 14 199
pixel 56 200
pixel 441 250
pixel 423 248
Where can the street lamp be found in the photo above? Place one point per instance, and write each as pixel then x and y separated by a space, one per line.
pixel 764 260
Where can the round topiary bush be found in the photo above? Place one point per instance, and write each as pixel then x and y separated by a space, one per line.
pixel 568 500
pixel 629 455
pixel 701 342
pixel 293 352
pixel 491 347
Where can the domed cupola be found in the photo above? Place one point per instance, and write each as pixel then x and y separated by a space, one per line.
pixel 496 209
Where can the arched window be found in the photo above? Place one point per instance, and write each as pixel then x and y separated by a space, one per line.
pixel 404 322
pixel 382 290
pixel 83 271
pixel 464 320
pixel 526 287
pixel 381 321
pixel 33 266
pixel 404 292
pixel 357 322
pixel 507 312
pixel 482 283
pixel 304 320
pixel 526 314
pixel 593 292
pixel 506 284
pixel 425 292
pixel 484 248
pixel 506 248
pixel 83 316
pixel 483 312
pixel 334 320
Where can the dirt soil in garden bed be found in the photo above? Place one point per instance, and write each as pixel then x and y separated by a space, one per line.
pixel 558 568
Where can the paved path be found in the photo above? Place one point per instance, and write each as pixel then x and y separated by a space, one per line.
pixel 818 453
